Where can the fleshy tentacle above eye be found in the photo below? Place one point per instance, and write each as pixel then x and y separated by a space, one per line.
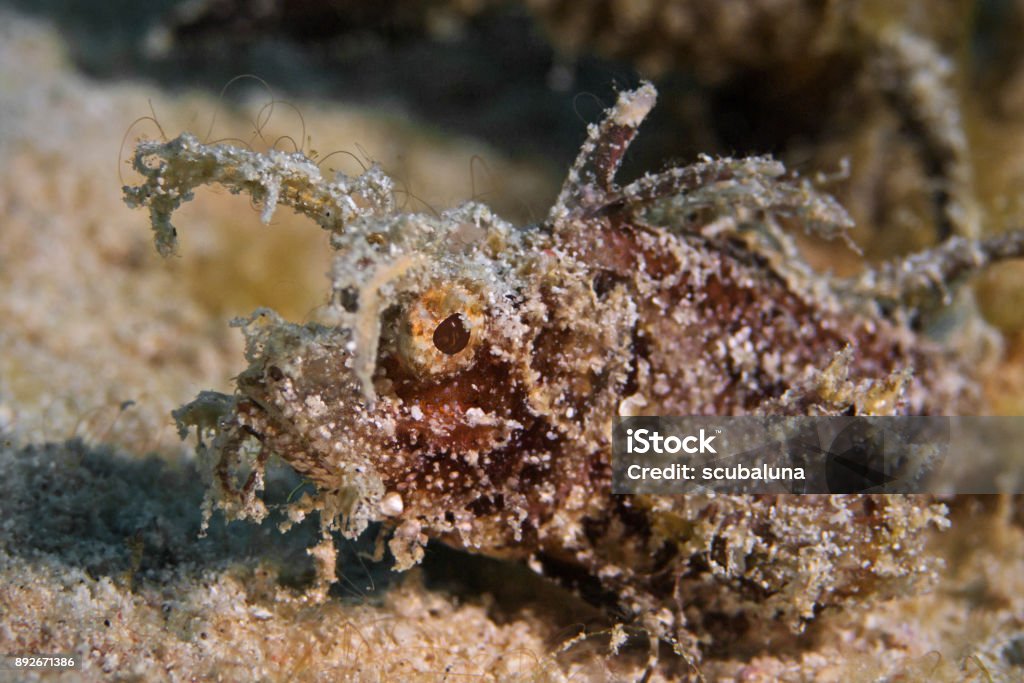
pixel 592 177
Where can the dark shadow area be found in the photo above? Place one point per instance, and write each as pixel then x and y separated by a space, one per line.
pixel 108 514
pixel 511 584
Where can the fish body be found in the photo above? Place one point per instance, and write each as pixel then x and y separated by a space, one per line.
pixel 463 383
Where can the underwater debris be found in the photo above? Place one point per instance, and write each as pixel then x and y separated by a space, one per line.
pixel 464 380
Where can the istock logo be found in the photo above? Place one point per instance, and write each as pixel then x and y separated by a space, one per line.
pixel 646 441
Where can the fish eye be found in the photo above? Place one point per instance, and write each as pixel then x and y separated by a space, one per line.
pixel 451 335
pixel 439 329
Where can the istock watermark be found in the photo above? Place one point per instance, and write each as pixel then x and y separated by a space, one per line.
pixel 749 454
pixel 648 441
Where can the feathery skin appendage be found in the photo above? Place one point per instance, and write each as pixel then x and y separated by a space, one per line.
pixel 912 281
pixel 592 176
pixel 173 169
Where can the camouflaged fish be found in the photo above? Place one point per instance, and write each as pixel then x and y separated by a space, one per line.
pixel 463 382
